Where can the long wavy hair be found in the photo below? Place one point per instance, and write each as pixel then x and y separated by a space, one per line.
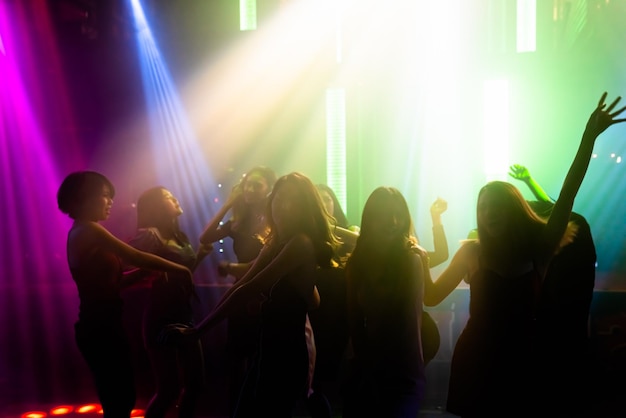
pixel 313 218
pixel 523 224
pixel 338 213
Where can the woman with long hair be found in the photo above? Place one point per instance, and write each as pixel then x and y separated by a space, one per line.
pixel 299 242
pixel 493 370
pixel 385 284
pixel 178 371
pixel 247 227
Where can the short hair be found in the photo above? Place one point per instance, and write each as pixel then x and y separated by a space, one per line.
pixel 78 187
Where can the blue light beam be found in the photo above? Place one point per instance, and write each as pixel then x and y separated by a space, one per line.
pixel 180 162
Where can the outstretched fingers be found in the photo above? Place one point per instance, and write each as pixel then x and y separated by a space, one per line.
pixel 617 112
pixel 612 105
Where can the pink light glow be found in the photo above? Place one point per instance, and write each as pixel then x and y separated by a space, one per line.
pixel 37 293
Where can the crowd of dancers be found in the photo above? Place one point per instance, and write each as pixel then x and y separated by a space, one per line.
pixel 327 312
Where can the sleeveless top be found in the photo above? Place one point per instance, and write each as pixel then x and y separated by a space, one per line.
pixel 246 244
pixel 98 283
pixel 387 341
pixel 493 363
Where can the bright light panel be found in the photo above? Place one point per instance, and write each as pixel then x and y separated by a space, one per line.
pixel 526 25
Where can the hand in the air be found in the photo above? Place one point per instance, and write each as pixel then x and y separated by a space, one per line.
pixel 602 118
pixel 235 194
pixel 438 207
pixel 519 172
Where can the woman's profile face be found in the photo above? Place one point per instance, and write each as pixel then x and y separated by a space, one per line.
pixel 255 188
pixel 171 206
pixel 492 215
pixel 98 207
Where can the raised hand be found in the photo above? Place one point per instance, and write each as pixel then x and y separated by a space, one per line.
pixel 519 172
pixel 235 194
pixel 438 207
pixel 602 118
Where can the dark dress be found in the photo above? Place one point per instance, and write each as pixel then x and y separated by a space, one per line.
pixel 100 334
pixel 169 302
pixel 243 324
pixel 277 378
pixel 330 324
pixel 493 367
pixel 387 376
pixel 177 370
pixel 246 244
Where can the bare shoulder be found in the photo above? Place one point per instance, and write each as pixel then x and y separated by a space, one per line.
pixel 86 231
pixel 468 255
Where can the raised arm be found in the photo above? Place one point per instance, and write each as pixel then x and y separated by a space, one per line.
pixel 519 172
pixel 441 252
pixel 602 118
pixel 212 232
pixel 462 264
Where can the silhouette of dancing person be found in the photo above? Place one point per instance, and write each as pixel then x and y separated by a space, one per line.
pixel 563 312
pixel 494 364
pixel 179 370
pixel 300 241
pixel 247 227
pixel 385 285
pixel 95 258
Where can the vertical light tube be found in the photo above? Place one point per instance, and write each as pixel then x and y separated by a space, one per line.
pixel 526 25
pixel 336 143
pixel 247 15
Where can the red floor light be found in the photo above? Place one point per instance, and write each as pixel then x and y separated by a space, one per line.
pixel 34 414
pixel 88 408
pixel 61 410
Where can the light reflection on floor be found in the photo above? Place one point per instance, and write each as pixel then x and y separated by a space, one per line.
pixel 82 410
